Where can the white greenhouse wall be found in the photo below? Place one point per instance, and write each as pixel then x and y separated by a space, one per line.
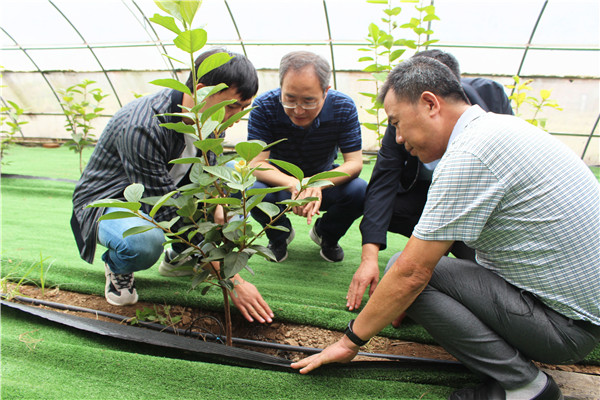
pixel 579 99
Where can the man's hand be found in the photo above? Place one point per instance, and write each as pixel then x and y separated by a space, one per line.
pixel 309 210
pixel 367 274
pixel 248 300
pixel 342 351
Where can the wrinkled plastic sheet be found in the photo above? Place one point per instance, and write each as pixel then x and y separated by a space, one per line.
pixel 206 351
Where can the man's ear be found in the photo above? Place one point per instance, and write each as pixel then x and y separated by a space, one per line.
pixel 431 102
pixel 326 90
pixel 200 86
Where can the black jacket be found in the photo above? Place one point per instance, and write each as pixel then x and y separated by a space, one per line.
pixel 396 170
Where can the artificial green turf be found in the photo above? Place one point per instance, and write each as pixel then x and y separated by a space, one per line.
pixel 304 289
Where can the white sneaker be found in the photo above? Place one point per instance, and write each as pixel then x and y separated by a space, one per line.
pixel 179 268
pixel 120 288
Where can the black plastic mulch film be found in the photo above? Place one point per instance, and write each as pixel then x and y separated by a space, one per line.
pixel 184 346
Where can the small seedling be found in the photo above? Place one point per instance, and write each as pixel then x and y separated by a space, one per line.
pixel 521 96
pixel 81 105
pixel 162 317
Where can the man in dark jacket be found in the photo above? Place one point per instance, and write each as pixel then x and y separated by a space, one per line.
pixel 397 191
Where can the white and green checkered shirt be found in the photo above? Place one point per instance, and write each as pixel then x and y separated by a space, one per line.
pixel 528 206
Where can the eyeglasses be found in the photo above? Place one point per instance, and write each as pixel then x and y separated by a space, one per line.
pixel 305 106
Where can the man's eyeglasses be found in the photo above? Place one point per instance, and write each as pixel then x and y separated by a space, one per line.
pixel 305 106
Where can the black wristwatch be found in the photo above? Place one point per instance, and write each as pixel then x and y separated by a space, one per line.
pixel 352 336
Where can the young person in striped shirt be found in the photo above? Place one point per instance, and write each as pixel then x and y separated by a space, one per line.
pixel 134 148
pixel 315 122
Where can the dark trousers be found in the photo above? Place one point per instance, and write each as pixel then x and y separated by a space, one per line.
pixel 343 204
pixel 495 328
pixel 408 208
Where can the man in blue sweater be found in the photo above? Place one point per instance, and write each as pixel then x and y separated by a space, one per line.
pixel 315 122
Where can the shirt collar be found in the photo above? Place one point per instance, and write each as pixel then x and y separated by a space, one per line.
pixel 469 115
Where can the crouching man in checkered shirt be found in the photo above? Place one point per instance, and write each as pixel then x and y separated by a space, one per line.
pixel 530 209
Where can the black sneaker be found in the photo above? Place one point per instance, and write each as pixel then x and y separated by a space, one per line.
pixel 331 252
pixel 280 252
pixel 120 288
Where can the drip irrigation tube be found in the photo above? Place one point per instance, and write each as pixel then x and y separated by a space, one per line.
pixel 188 335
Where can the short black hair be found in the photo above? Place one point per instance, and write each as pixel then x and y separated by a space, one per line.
pixel 412 77
pixel 445 58
pixel 238 73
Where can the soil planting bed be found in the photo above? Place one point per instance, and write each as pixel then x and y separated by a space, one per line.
pixel 276 332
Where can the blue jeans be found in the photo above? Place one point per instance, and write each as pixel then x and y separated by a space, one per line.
pixel 343 203
pixel 133 253
pixel 495 328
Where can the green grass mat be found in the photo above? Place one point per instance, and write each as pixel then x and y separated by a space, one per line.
pixel 37 243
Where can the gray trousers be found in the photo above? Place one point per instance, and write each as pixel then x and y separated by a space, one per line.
pixel 494 328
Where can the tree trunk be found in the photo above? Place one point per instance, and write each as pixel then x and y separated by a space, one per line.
pixel 227 310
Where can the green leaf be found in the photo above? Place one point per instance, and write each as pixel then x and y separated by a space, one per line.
pixel 269 208
pixel 234 263
pixel 545 94
pixel 208 91
pixel 220 171
pixel 262 250
pixel 134 192
pixel 321 183
pixel 234 118
pixel 211 62
pixel 161 202
pixel 207 113
pixel 172 84
pixel 208 127
pixel 166 22
pixel 431 17
pixel 188 210
pixel 429 42
pixel 396 53
pixel 117 215
pixel 188 10
pixel 373 30
pixel 115 203
pixel 171 7
pixel 223 200
pixel 180 127
pixel 253 201
pixel 191 41
pixel 249 150
pixel 371 126
pixel 327 175
pixel 289 167
pixel 267 190
pixel 168 224
pixel 298 202
pixel 210 144
pixel 137 229
pixel 187 160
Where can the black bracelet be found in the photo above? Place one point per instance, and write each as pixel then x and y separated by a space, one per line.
pixel 352 336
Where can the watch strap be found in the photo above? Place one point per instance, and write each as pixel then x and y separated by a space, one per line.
pixel 352 336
